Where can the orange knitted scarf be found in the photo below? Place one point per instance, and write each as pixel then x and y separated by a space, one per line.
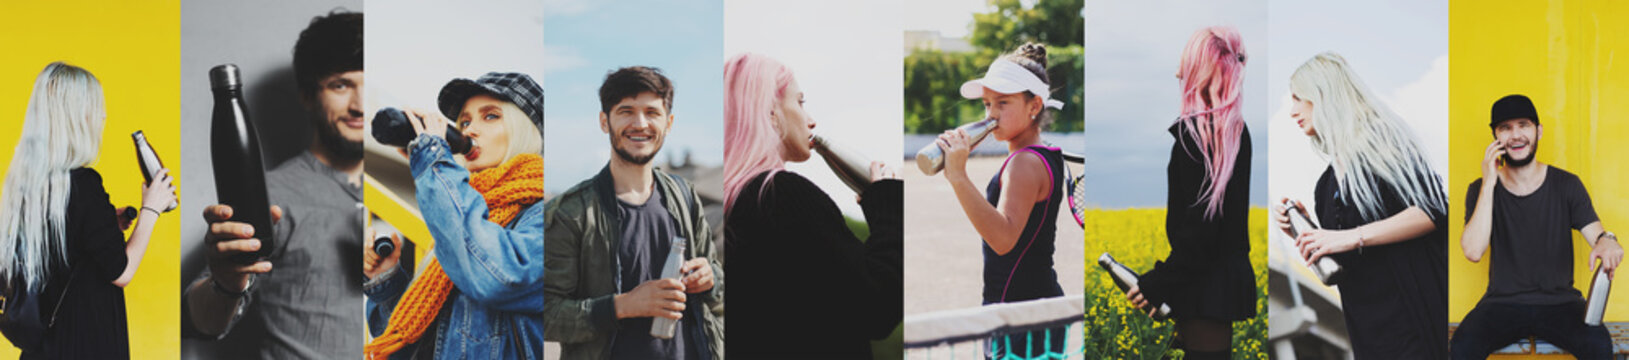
pixel 508 189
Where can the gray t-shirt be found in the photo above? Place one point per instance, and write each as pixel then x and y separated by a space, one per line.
pixel 310 305
pixel 1531 243
pixel 647 235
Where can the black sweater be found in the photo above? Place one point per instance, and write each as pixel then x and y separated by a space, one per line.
pixel 1208 273
pixel 92 322
pixel 802 285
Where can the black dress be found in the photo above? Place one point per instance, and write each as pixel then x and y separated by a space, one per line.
pixel 91 323
pixel 1208 273
pixel 801 284
pixel 1395 296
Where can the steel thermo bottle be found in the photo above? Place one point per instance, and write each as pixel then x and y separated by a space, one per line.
pixel 931 159
pixel 1328 271
pixel 854 169
pixel 661 327
pixel 148 159
pixel 1125 279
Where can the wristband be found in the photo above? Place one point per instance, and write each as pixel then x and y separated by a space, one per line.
pixel 1360 237
pixel 156 213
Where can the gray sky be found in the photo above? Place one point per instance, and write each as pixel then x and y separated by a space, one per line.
pixel 1132 95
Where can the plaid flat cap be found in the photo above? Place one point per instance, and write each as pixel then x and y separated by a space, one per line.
pixel 516 88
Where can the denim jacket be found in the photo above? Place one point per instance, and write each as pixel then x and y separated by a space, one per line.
pixel 496 308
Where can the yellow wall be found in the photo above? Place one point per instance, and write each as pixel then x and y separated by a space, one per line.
pixel 134 49
pixel 1572 58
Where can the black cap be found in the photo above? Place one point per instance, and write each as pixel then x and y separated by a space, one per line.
pixel 1514 106
pixel 516 88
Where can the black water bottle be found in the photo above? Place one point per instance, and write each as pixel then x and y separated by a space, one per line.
pixel 240 180
pixel 391 127
pixel 384 245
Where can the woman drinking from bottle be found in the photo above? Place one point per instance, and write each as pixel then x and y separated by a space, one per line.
pixel 784 235
pixel 1016 214
pixel 482 294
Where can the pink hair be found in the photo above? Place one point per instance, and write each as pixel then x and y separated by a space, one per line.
pixel 1214 56
pixel 753 85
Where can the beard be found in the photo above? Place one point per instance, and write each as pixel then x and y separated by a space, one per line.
pixel 633 159
pixel 339 148
pixel 1513 162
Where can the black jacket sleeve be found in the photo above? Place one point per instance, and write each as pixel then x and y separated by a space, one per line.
pixel 1195 239
pixel 95 242
pixel 873 270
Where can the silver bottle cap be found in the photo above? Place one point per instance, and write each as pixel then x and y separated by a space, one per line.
pixel 225 76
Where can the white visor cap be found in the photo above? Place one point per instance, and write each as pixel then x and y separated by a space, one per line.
pixel 1007 77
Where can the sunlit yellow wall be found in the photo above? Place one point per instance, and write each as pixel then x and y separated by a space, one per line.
pixel 1572 58
pixel 133 47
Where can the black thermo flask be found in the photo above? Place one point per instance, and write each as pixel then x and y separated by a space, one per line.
pixel 240 179
pixel 391 127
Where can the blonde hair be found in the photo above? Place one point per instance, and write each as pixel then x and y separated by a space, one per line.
pixel 524 136
pixel 1372 150
pixel 62 131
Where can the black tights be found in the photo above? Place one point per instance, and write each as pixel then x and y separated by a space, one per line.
pixel 1206 339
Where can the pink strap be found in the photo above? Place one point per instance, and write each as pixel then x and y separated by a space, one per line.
pixel 1048 212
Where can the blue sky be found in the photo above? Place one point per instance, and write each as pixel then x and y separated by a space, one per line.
pixel 1132 52
pixel 586 39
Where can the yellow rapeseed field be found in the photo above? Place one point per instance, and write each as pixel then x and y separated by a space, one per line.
pixel 1136 237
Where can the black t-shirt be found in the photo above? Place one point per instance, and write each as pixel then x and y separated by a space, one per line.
pixel 647 235
pixel 1532 239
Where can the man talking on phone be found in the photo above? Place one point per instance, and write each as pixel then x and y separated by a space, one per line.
pixel 1524 211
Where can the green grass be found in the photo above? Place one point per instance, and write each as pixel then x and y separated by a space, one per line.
pixel 1136 237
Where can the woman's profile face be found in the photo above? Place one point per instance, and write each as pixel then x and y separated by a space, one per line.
pixel 1301 112
pixel 794 123
pixel 483 121
pixel 1014 113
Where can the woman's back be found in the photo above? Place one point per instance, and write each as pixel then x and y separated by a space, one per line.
pixel 91 321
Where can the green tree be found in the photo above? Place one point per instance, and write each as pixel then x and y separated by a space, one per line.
pixel 933 78
pixel 1056 23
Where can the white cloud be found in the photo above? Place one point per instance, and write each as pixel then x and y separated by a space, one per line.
pixel 1423 103
pixel 560 58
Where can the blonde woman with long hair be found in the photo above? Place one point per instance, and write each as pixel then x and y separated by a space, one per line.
pixel 1383 211
pixel 60 238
